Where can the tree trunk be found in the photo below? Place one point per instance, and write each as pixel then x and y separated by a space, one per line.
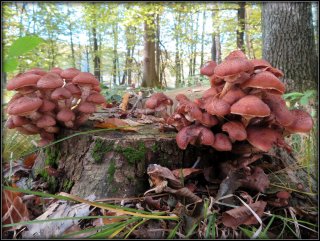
pixel 96 58
pixel 71 41
pixel 177 56
pixel 288 43
pixel 150 78
pixel 202 37
pixel 194 54
pixel 115 52
pixel 241 26
pixel 158 53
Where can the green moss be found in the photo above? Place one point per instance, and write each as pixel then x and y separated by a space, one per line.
pixel 154 147
pixel 52 181
pixel 111 171
pixel 133 155
pixel 114 189
pixel 52 156
pixel 67 185
pixel 99 150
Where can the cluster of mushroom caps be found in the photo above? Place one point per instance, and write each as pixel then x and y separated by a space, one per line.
pixel 45 101
pixel 242 112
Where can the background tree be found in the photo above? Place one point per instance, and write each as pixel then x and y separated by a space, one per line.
pixel 288 42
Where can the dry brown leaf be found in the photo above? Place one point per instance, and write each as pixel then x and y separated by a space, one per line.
pixel 158 173
pixel 258 180
pixel 114 123
pixel 242 215
pixel 186 172
pixel 13 208
pixel 29 160
pixel 125 101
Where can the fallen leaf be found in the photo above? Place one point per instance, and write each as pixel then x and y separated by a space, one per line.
pixel 242 215
pixel 13 209
pixel 186 172
pixel 258 180
pixel 29 160
pixel 125 101
pixel 114 123
pixel 159 173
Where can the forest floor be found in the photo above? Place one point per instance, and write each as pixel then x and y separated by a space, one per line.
pixel 265 195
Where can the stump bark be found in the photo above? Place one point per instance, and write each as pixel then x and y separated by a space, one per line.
pixel 114 163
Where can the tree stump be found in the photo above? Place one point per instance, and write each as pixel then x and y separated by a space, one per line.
pixel 114 163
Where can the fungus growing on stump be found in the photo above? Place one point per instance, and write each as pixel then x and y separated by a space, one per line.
pixel 249 107
pixel 32 110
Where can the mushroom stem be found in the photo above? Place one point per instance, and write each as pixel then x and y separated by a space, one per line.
pixel 61 104
pixel 225 89
pixel 246 120
pixel 85 92
pixel 34 116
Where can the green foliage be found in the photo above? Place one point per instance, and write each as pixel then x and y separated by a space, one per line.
pixel 18 48
pixel 16 144
pixel 299 98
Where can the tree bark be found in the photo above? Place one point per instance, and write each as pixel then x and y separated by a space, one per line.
pixel 115 52
pixel 202 37
pixel 71 40
pixel 158 53
pixel 177 55
pixel 241 26
pixel 288 43
pixel 96 58
pixel 150 78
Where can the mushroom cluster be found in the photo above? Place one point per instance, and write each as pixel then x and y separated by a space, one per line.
pixel 45 101
pixel 242 110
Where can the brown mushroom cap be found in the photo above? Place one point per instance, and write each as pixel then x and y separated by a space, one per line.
pixel 194 134
pixel 302 122
pixel 56 70
pixel 235 130
pixel 20 120
pixel 263 138
pixel 208 68
pixel 236 54
pixel 24 106
pixel 208 120
pixel 69 74
pixel 65 115
pixel 37 71
pixel 23 80
pixel 96 98
pixel 85 78
pixel 250 106
pixel 215 106
pixel 47 106
pixel 189 109
pixel 9 123
pixel 279 109
pixel 264 80
pixel 222 142
pixel 233 95
pixel 158 100
pixel 74 90
pixel 61 94
pixel 50 81
pixel 232 67
pixel 178 121
pixel 96 88
pixel 86 107
pixel 211 92
pixel 283 195
pixel 46 121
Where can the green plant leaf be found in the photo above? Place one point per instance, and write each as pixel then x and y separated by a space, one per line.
pixel 10 65
pixel 23 45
